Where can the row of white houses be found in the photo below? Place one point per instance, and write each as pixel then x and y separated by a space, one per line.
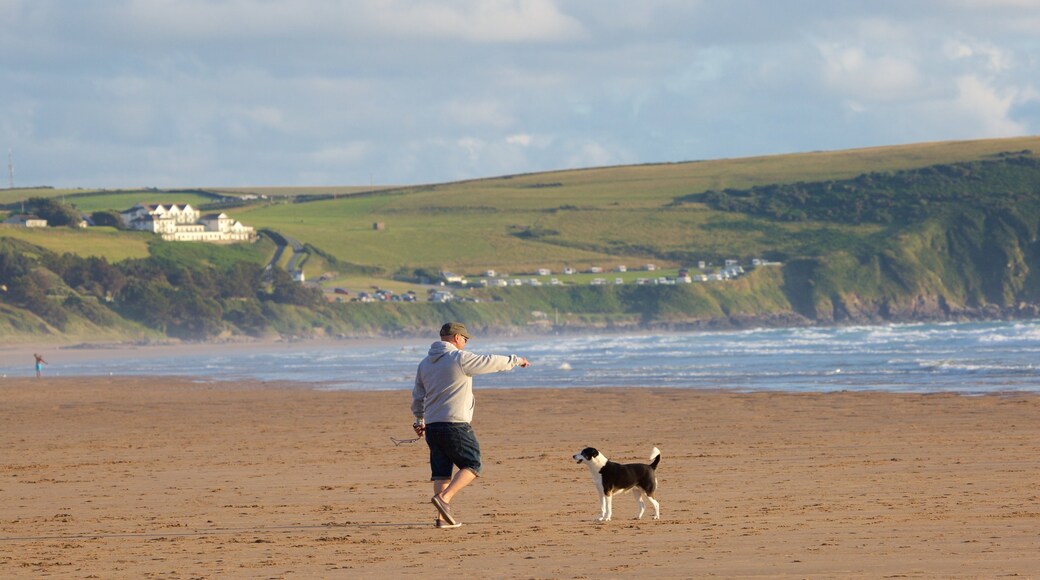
pixel 183 223
pixel 174 222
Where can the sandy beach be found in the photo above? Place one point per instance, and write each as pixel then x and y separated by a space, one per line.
pixel 169 478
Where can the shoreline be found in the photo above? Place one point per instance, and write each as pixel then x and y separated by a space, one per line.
pixel 11 351
pixel 953 358
pixel 729 324
pixel 143 476
pixel 18 354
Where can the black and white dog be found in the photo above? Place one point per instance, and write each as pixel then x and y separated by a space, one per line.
pixel 611 478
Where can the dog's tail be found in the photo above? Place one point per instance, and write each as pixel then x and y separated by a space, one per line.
pixel 655 455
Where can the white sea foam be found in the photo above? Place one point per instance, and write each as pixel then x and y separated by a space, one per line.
pixel 968 358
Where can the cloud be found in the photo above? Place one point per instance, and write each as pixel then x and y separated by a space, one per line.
pixel 990 56
pixel 345 154
pixel 248 122
pixel 850 71
pixel 478 112
pixel 479 21
pixel 985 109
pixel 520 139
pixel 224 92
pixel 994 4
pixel 592 154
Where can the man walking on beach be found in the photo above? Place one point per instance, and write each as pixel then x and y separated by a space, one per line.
pixel 39 365
pixel 442 403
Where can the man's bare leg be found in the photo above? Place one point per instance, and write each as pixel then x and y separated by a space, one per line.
pixel 447 490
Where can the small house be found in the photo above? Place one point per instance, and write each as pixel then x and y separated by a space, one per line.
pixel 441 296
pixel 26 221
pixel 451 278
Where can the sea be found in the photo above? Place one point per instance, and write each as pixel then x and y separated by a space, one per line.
pixel 967 358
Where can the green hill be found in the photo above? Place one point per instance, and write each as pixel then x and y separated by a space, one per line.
pixel 594 217
pixel 926 231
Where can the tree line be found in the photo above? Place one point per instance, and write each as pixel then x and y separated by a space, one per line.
pixel 899 197
pixel 177 299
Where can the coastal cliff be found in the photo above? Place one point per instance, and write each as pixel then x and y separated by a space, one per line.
pixel 947 242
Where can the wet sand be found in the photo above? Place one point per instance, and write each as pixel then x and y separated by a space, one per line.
pixel 169 478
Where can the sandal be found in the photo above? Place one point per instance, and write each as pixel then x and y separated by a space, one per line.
pixel 445 525
pixel 444 508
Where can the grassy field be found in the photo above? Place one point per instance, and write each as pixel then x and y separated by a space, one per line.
pixel 472 240
pixel 220 256
pixel 107 242
pixel 98 199
pixel 271 191
pixel 603 216
pixel 414 237
pixel 124 200
pixel 11 196
pixel 590 217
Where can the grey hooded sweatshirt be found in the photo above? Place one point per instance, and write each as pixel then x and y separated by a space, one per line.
pixel 444 382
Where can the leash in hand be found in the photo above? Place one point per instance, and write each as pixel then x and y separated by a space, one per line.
pixel 398 442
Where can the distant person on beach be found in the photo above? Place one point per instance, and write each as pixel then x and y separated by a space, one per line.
pixel 39 365
pixel 442 403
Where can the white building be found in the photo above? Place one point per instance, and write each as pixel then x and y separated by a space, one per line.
pixel 441 296
pixel 451 278
pixel 26 221
pixel 183 223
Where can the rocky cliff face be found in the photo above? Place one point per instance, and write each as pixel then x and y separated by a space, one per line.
pixel 962 266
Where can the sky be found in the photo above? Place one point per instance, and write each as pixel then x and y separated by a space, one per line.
pixel 223 93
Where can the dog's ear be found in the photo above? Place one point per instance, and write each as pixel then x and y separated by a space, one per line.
pixel 589 452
